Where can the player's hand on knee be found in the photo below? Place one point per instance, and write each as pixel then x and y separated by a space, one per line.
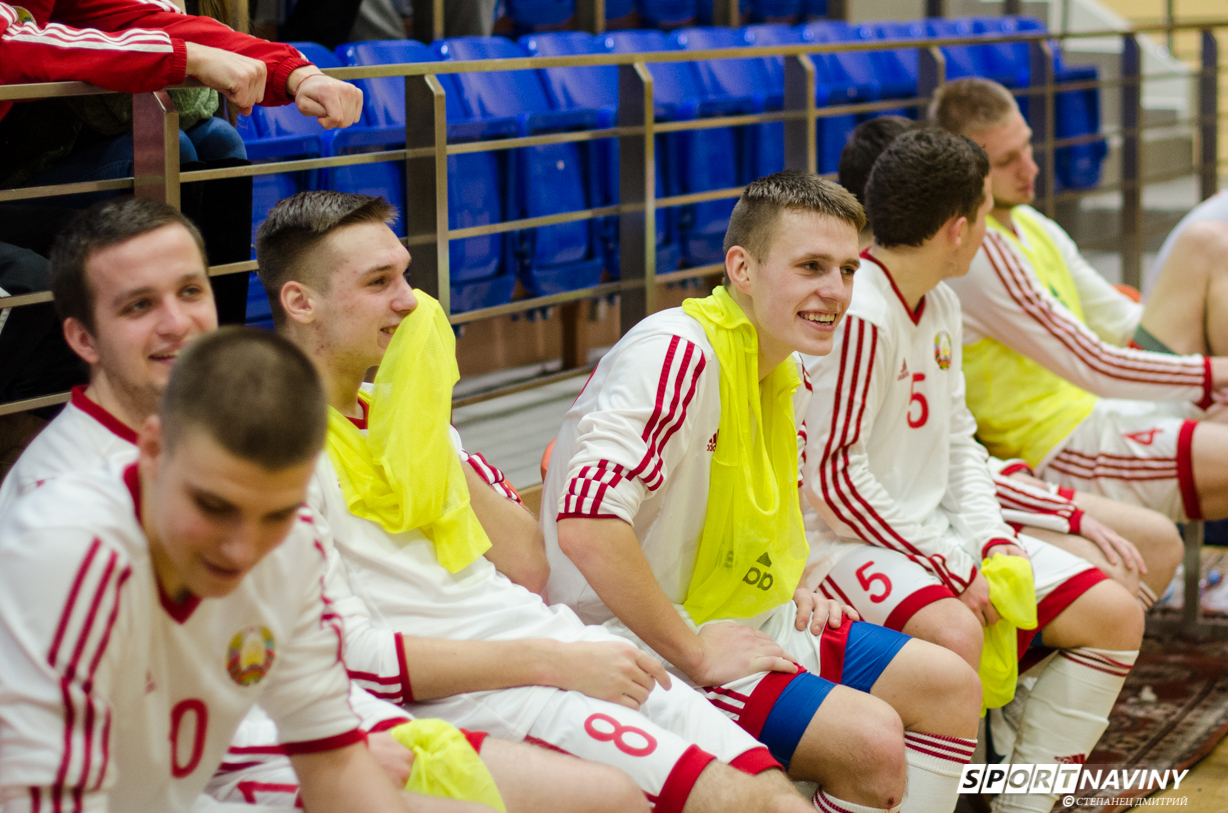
pixel 732 651
pixel 1007 549
pixel 1112 544
pixel 976 598
pixel 815 610
pixel 396 760
pixel 611 671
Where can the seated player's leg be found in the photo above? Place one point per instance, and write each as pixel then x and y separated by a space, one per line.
pixel 670 750
pixel 537 780
pixel 1187 310
pixel 889 589
pixel 1088 551
pixel 1097 625
pixel 1146 454
pixel 1155 536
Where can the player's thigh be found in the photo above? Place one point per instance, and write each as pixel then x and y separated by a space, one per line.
pixel 850 731
pixel 1210 463
pixel 1090 552
pixel 1154 534
pixel 532 779
pixel 1078 605
pixel 932 688
pixel 883 586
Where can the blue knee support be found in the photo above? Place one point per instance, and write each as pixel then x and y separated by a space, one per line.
pixel 792 712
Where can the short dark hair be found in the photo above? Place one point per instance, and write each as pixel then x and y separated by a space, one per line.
pixel 298 224
pixel 923 179
pixel 966 105
pixel 103 225
pixel 752 225
pixel 866 143
pixel 256 394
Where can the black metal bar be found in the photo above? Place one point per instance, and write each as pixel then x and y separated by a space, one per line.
pixel 935 8
pixel 1131 163
pixel 1208 109
pixel 155 147
pixel 931 73
pixel 801 147
pixel 590 16
pixel 637 184
pixel 426 186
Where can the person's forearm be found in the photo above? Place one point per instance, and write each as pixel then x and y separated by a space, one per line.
pixel 608 554
pixel 443 668
pixel 347 780
pixel 517 548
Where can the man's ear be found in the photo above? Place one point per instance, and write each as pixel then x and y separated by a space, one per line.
pixel 298 302
pixel 737 268
pixel 149 442
pixel 80 340
pixel 956 230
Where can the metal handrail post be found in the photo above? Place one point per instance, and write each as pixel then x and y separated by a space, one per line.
pixel 837 10
pixel 1131 162
pixel 801 135
pixel 590 16
pixel 1041 113
pixel 727 13
pixel 155 147
pixel 934 8
pixel 1208 118
pixel 1191 608
pixel 931 72
pixel 426 186
pixel 637 184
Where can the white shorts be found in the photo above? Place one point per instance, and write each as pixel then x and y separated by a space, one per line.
pixel 662 747
pixel 1137 452
pixel 888 588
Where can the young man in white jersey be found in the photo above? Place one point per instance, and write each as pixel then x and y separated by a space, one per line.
pixel 130 282
pixel 905 510
pixel 1134 545
pixel 646 478
pixel 181 589
pixel 1045 347
pixel 432 622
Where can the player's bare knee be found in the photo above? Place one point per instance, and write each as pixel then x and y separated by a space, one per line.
pixel 876 756
pixel 615 792
pixel 1117 618
pixel 963 635
pixel 1207 240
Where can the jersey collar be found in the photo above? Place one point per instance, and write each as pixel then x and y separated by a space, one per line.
pixel 361 423
pixel 915 316
pixel 179 612
pixel 117 427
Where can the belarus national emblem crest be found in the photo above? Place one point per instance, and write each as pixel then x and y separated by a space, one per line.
pixel 250 655
pixel 942 349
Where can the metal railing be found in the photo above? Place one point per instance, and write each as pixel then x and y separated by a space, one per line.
pixel 157 174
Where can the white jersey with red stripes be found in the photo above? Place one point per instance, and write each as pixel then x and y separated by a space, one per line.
pixel 80 438
pixel 637 445
pixel 101 671
pixel 1002 298
pixel 1048 505
pixel 891 458
pixel 130 46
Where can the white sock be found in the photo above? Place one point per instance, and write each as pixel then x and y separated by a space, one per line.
pixel 935 763
pixel 1065 715
pixel 830 804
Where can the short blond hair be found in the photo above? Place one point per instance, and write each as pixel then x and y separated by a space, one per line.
pixel 967 105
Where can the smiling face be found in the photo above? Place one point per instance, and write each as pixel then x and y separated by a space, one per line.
pixel 1009 147
pixel 151 297
pixel 367 295
pixel 801 289
pixel 211 515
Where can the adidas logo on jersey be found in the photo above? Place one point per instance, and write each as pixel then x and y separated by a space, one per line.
pixel 712 441
pixel 903 371
pixel 760 578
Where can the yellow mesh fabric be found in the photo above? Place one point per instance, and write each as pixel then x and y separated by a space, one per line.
pixel 445 764
pixel 404 472
pixel 1013 594
pixel 753 547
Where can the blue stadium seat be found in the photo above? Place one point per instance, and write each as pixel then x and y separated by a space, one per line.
pixel 697 161
pixel 548 179
pixel 962 60
pixel 617 9
pixel 477 190
pixel 703 10
pixel 596 88
pixel 528 14
pixel 831 131
pixel 670 13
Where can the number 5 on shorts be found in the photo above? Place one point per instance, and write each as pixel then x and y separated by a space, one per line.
pixel 867 581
